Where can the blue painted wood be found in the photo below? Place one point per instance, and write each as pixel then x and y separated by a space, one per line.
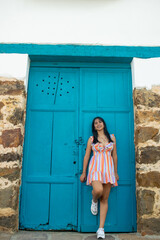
pixel 52 161
pixel 107 63
pixel 106 93
pixel 35 50
pixel 50 164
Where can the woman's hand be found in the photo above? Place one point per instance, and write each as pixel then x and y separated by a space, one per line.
pixel 83 177
pixel 117 177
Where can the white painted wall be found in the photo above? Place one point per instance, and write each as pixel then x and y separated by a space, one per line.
pixel 15 66
pixel 145 72
pixel 101 22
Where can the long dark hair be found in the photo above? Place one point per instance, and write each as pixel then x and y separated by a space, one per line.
pixel 95 133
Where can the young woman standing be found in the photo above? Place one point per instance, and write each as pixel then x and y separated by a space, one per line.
pixel 102 174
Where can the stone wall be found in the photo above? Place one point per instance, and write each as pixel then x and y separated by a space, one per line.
pixel 147 146
pixel 12 120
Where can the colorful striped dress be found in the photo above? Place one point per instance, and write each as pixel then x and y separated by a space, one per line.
pixel 101 166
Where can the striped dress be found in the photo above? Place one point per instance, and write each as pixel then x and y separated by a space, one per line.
pixel 101 166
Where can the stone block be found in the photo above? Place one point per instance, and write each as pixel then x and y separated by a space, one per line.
pixel 1 115
pixel 149 154
pixel 11 156
pixel 9 197
pixel 9 222
pixel 145 201
pixel 1 105
pixel 12 87
pixel 146 97
pixel 11 138
pixel 149 226
pixel 150 179
pixel 11 174
pixel 142 116
pixel 17 116
pixel 143 134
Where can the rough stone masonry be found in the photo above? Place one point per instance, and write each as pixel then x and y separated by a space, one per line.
pixel 12 121
pixel 147 146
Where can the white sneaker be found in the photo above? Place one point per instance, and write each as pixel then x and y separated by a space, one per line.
pixel 100 233
pixel 94 208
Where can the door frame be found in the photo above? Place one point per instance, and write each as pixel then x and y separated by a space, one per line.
pixel 109 63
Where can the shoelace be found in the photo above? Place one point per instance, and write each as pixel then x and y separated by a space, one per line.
pixel 94 203
pixel 100 230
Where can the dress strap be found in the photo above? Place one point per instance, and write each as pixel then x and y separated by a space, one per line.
pixel 92 138
pixel 112 135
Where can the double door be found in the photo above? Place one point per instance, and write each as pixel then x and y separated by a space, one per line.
pixel 61 104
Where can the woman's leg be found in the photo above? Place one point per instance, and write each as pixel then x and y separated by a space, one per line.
pixel 97 190
pixel 104 204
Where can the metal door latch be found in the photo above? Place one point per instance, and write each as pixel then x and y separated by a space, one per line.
pixel 79 141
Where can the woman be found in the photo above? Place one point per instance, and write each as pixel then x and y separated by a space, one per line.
pixel 102 174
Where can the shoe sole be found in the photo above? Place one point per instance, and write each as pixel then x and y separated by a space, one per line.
pixel 94 213
pixel 100 237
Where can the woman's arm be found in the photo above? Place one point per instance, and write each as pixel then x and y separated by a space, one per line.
pixel 114 154
pixel 85 160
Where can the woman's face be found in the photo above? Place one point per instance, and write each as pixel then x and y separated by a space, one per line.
pixel 98 124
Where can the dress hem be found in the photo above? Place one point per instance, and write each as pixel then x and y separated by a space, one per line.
pixel 103 178
pixel 113 184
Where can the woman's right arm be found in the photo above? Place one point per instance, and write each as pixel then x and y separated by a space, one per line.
pixel 85 160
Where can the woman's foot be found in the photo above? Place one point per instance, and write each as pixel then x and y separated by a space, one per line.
pixel 100 233
pixel 94 207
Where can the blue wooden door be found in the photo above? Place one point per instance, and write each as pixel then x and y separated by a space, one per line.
pixel 61 105
pixel 107 92
pixel 50 162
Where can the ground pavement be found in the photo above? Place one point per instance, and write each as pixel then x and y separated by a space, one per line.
pixel 50 235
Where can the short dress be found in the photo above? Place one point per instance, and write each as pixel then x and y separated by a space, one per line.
pixel 101 165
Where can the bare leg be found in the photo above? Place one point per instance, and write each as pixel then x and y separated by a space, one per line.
pixel 97 190
pixel 104 204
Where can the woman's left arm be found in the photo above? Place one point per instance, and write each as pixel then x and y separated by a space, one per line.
pixel 114 154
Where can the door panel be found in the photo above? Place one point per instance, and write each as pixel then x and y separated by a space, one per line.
pixel 64 135
pixel 36 204
pixel 39 135
pixel 123 121
pixel 89 84
pixel 63 205
pixel 50 164
pixel 111 88
pixel 124 206
pixel 108 93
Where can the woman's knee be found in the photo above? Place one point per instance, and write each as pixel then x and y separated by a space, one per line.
pixel 98 191
pixel 104 199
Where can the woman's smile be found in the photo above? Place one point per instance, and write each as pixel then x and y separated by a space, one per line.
pixel 98 125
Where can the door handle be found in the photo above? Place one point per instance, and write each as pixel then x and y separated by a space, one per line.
pixel 79 141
